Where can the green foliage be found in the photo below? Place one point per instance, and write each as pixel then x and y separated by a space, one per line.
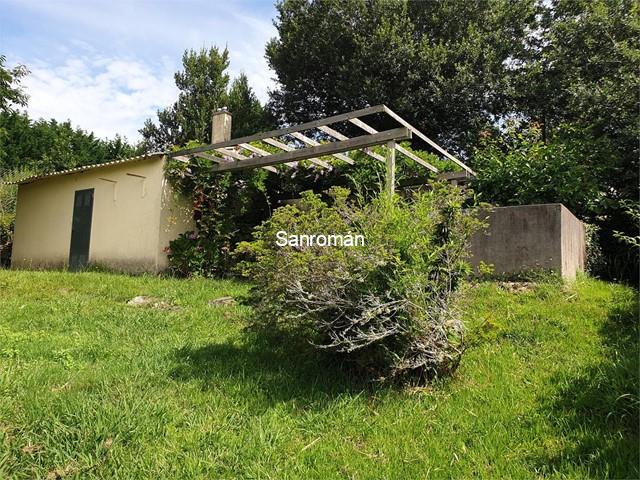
pixel 384 305
pixel 248 113
pixel 203 86
pixel 633 211
pixel 460 70
pixel 519 168
pixel 582 68
pixel 594 256
pixel 575 167
pixel 8 198
pixel 226 207
pixel 11 94
pixel 47 145
pixel 441 65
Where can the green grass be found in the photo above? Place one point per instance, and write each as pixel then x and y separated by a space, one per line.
pixel 93 388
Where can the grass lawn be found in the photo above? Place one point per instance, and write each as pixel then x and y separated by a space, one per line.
pixel 93 388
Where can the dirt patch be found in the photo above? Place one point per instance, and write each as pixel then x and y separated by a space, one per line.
pixel 517 287
pixel 31 448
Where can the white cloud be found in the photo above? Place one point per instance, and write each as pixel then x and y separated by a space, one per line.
pixel 103 95
pixel 108 64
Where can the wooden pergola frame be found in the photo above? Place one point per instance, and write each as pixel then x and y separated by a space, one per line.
pixel 227 155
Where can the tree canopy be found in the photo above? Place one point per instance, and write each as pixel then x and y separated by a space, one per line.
pixel 527 91
pixel 11 92
pixel 440 65
pixel 203 86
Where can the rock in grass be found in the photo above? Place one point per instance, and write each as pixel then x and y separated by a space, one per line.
pixel 153 302
pixel 222 301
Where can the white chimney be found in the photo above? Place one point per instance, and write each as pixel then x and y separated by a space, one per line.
pixel 220 126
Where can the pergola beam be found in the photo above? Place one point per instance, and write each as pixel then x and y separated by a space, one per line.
pixel 355 143
pixel 288 148
pixel 367 128
pixel 263 153
pixel 285 131
pixel 323 125
pixel 339 136
pixel 391 167
pixel 233 155
pixel 309 141
pixel 421 135
pixel 206 156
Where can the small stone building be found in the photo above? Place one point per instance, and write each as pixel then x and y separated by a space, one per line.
pixel 120 215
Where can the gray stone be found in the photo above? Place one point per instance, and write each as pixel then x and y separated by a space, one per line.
pixel 222 301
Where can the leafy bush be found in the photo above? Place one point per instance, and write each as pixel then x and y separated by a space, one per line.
pixel 8 198
pixel 520 168
pixel 633 211
pixel 228 206
pixel 576 167
pixel 387 305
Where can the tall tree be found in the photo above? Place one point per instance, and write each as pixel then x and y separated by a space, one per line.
pixel 11 93
pixel 442 65
pixel 204 87
pixel 203 84
pixel 47 145
pixel 248 114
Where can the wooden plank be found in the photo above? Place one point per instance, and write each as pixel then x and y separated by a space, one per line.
pixel 288 148
pixel 313 143
pixel 402 150
pixel 236 156
pixel 391 167
pixel 416 158
pixel 330 131
pixel 338 136
pixel 231 153
pixel 355 143
pixel 421 135
pixel 251 148
pixel 212 158
pixel 359 123
pixel 227 160
pixel 284 131
pixel 263 153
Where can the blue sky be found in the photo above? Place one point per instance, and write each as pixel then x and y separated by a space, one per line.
pixel 108 65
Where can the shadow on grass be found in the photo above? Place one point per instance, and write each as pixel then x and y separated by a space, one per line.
pixel 598 411
pixel 266 370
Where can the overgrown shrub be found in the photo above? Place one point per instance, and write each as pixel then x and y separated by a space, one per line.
pixel 8 198
pixel 574 166
pixel 387 305
pixel 227 206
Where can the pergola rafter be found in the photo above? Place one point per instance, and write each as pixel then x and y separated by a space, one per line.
pixel 226 155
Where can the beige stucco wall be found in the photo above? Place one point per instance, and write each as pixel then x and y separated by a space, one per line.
pixel 176 217
pixel 129 201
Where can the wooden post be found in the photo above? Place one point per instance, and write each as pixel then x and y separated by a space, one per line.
pixel 391 167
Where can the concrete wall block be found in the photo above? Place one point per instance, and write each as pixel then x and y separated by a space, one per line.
pixel 530 237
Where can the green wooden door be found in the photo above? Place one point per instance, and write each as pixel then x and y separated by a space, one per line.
pixel 81 229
